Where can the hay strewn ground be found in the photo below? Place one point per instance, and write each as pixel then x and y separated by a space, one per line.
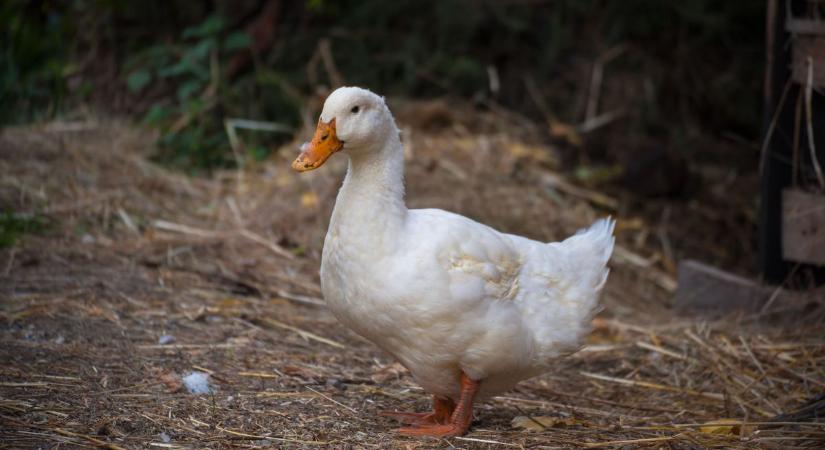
pixel 228 266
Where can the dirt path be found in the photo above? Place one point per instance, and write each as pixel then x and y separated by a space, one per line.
pixel 140 276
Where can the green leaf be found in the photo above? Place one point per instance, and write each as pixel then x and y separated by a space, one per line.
pixel 138 79
pixel 258 152
pixel 194 106
pixel 157 114
pixel 315 5
pixel 186 66
pixel 176 69
pixel 188 88
pixel 13 225
pixel 201 50
pixel 237 41
pixel 209 27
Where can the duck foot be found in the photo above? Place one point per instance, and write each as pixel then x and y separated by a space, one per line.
pixel 442 410
pixel 456 424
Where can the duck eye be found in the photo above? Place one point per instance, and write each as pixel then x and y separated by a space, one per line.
pixel 355 109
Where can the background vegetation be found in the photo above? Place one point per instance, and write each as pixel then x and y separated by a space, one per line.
pixel 671 68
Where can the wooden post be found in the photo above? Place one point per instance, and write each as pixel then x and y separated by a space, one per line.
pixel 782 95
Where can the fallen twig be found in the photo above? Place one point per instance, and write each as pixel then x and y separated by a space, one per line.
pixel 303 333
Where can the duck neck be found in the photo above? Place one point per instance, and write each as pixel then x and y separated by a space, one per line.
pixel 370 203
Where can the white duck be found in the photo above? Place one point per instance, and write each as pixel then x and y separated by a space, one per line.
pixel 468 310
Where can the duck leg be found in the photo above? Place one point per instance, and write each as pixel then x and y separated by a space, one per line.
pixel 459 421
pixel 442 411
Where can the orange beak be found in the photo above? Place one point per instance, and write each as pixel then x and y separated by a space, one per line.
pixel 319 149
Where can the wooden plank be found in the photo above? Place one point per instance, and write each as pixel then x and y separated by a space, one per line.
pixel 808 50
pixel 805 26
pixel 703 288
pixel 803 227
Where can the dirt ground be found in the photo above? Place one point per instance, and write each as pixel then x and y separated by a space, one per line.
pixel 141 276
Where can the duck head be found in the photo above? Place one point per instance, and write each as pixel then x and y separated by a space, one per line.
pixel 353 120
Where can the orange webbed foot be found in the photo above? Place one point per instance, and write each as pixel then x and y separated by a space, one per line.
pixel 449 418
pixel 442 410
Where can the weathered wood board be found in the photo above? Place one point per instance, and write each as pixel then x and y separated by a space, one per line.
pixel 808 50
pixel 803 227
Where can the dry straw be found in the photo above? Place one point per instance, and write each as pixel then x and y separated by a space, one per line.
pixel 134 252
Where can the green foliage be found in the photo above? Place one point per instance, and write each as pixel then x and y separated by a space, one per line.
pixel 697 59
pixel 236 41
pixel 700 56
pixel 33 61
pixel 192 137
pixel 138 79
pixel 703 56
pixel 12 226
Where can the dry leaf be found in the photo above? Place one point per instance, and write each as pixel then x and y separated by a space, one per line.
pixel 228 307
pixel 173 382
pixel 520 150
pixel 786 356
pixel 283 179
pixel 230 302
pixel 309 200
pixel 603 333
pixel 631 224
pixel 239 341
pixel 539 423
pixel 564 131
pixel 726 426
pixel 300 372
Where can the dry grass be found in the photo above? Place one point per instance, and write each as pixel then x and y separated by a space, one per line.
pixel 228 266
